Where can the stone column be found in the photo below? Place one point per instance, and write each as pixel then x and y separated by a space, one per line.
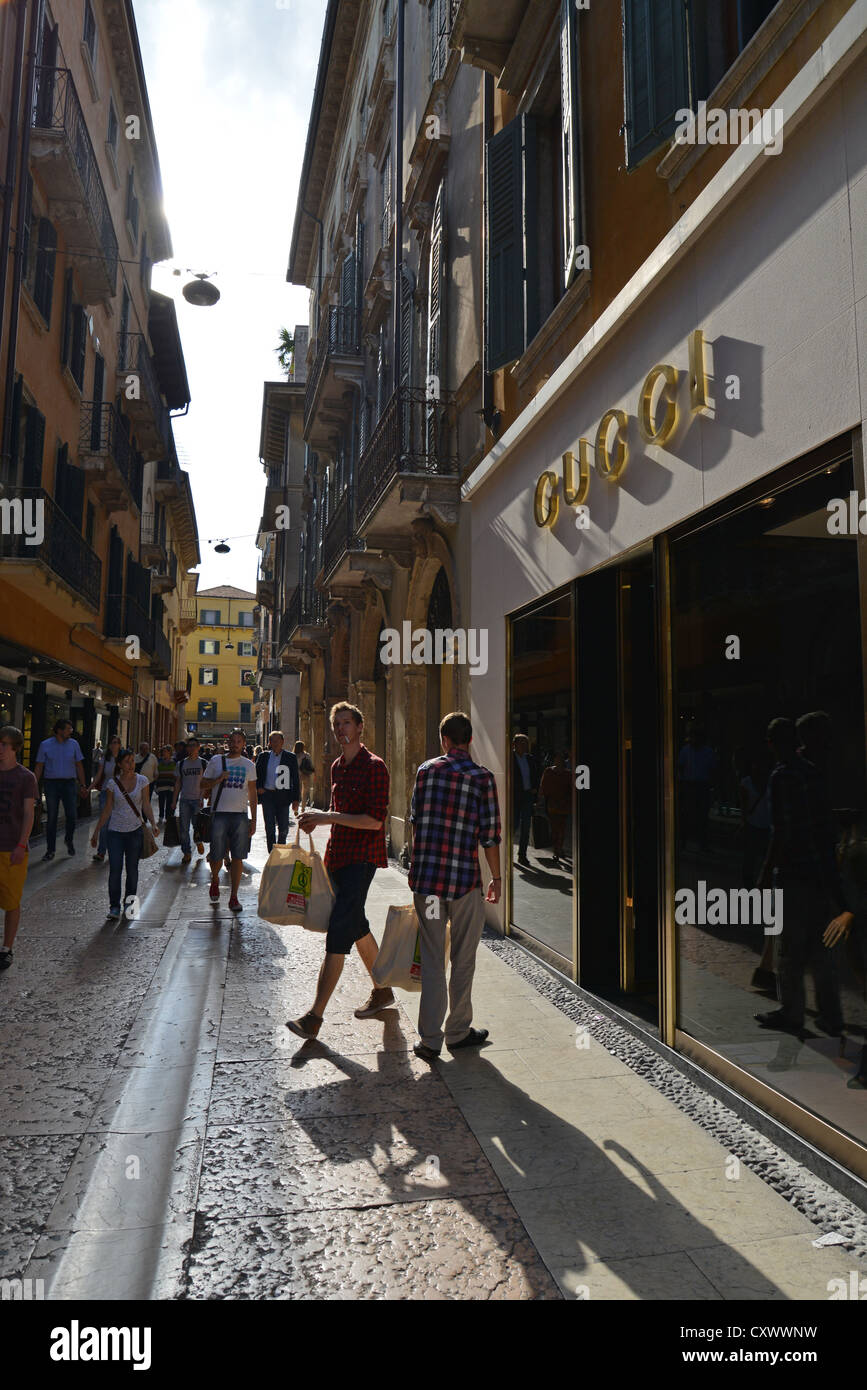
pixel 365 698
pixel 322 760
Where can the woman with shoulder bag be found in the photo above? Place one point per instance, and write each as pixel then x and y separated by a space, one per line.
pixel 104 774
pixel 127 805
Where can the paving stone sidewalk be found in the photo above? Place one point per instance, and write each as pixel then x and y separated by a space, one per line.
pixel 163 1135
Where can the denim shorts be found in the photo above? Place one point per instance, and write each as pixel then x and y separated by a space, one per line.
pixel 229 832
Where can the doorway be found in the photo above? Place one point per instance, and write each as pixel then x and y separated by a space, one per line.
pixel 617 775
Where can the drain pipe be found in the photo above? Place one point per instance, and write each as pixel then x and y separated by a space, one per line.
pixel 397 163
pixel 18 272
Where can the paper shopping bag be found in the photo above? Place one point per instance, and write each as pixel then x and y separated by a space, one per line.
pixel 398 964
pixel 295 889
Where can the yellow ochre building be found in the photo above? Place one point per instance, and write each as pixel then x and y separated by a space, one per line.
pixel 222 662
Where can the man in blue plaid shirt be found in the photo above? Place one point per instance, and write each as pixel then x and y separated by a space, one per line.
pixel 454 810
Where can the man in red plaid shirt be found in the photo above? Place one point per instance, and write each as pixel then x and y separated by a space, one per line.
pixel 356 849
pixel 454 810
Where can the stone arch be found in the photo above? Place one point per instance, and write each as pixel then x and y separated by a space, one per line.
pixel 433 553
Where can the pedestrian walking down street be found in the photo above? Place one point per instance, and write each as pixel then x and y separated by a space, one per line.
pixel 187 798
pixel 60 764
pixel 127 804
pixel 454 810
pixel 101 778
pixel 18 792
pixel 278 786
pixel 356 849
pixel 166 774
pixel 146 764
pixel 234 777
pixel 306 771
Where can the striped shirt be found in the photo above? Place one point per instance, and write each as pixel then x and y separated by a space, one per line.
pixel 454 810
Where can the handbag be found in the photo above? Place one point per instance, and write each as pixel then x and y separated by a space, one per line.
pixel 149 843
pixel 294 889
pixel 171 834
pixel 202 824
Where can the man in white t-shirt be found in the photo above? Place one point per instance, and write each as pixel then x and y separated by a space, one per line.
pixel 234 789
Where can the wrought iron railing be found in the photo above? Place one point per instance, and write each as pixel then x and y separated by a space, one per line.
pixel 125 617
pixel 61 546
pixel 134 358
pixel 338 533
pixel 339 335
pixel 415 434
pixel 300 609
pixel 103 434
pixel 56 107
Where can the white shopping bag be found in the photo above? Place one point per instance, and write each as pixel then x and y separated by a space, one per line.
pixel 398 964
pixel 295 889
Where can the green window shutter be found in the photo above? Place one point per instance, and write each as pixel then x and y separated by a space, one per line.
pixel 512 302
pixel 657 85
pixel 436 286
pixel 34 444
pixel 43 283
pixel 16 422
pixel 66 330
pixel 573 212
pixel 26 228
pixel 73 491
pixel 407 324
pixel 79 345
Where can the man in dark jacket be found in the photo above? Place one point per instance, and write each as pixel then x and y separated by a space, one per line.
pixel 525 781
pixel 278 785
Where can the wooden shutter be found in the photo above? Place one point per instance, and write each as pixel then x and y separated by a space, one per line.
pixel 439 38
pixel 656 72
pixel 43 284
pixel 69 487
pixel 407 325
pixel 26 228
pixel 79 344
pixel 34 443
pixel 15 438
pixel 570 138
pixel 66 330
pixel 436 288
pixel 359 265
pixel 512 299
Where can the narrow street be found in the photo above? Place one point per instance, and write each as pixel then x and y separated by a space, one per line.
pixel 164 1136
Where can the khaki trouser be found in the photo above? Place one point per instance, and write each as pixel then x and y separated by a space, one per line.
pixel 467 918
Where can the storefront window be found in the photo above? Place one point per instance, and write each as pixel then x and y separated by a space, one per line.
pixel 542 778
pixel 766 629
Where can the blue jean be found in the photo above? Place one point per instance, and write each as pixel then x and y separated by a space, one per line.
pixel 228 831
pixel 187 809
pixel 103 842
pixel 123 845
pixel 59 789
pixel 275 812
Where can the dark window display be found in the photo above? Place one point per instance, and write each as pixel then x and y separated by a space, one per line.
pixel 771 811
pixel 542 776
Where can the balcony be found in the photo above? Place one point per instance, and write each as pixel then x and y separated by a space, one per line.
pixel 145 407
pixel 124 618
pixel 302 626
pixel 410 465
pixel 339 539
pixel 167 484
pixel 501 36
pixel 188 618
pixel 161 651
pixel 62 552
pixel 62 153
pixel 164 576
pixel 269 667
pixel 265 591
pixel 337 367
pixel 105 453
pixel 153 545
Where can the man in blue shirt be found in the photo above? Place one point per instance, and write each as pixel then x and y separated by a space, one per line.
pixel 279 786
pixel 61 761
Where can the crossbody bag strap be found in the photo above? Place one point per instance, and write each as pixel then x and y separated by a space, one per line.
pixel 130 801
pixel 219 789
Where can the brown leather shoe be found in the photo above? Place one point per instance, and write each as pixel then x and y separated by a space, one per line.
pixel 379 999
pixel 307 1026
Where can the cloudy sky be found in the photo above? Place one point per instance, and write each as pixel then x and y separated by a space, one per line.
pixel 230 85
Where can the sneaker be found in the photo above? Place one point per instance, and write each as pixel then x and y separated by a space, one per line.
pixel 114 914
pixel 427 1054
pixel 306 1027
pixel 214 893
pixel 5 957
pixel 186 858
pixel 234 905
pixel 48 855
pixel 379 999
